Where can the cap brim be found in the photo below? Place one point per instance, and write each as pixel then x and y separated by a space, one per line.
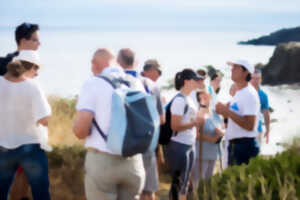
pixel 198 78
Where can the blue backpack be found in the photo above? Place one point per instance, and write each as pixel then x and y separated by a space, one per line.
pixel 134 124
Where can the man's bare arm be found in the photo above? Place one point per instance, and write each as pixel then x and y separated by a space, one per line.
pixel 82 124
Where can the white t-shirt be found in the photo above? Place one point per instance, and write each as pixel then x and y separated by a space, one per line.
pixel 177 108
pixel 22 105
pixel 96 97
pixel 245 102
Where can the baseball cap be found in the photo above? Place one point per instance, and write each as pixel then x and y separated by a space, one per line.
pixel 152 64
pixel 243 63
pixel 29 56
pixel 190 74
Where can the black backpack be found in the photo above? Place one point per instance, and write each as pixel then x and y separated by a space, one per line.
pixel 166 132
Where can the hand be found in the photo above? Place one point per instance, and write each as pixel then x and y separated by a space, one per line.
pixel 160 156
pixel 199 121
pixel 219 133
pixel 161 159
pixel 266 135
pixel 222 109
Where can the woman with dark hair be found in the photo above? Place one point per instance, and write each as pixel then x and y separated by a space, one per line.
pixel 184 121
pixel 24 111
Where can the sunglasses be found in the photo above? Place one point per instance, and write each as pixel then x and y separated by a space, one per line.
pixel 27 25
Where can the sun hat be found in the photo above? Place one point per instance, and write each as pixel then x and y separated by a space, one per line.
pixel 29 56
pixel 243 63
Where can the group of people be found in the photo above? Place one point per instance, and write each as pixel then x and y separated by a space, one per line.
pixel 199 121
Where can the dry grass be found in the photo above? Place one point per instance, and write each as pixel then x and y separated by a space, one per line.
pixel 60 125
pixel 66 161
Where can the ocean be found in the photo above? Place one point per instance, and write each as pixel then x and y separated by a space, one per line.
pixel 66 55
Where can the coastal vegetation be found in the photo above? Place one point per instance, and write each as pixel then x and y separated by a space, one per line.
pixel 274 177
pixel 265 178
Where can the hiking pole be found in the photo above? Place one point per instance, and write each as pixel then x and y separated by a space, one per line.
pixel 220 157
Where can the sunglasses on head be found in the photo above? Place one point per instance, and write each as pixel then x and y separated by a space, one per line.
pixel 27 25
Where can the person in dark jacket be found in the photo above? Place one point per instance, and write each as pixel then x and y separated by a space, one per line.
pixel 27 38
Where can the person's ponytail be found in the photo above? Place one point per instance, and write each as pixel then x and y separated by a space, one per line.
pixel 179 82
pixel 15 69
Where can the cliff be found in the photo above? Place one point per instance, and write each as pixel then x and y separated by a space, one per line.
pixel 275 38
pixel 283 66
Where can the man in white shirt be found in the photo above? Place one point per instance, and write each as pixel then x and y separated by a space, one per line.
pixel 152 70
pixel 108 176
pixel 242 114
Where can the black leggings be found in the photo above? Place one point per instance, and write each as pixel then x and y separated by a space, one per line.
pixel 181 159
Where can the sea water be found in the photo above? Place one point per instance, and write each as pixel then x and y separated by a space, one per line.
pixel 66 56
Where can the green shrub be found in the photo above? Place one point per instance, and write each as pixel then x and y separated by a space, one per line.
pixel 264 178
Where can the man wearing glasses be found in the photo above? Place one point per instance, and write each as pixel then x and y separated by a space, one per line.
pixel 27 38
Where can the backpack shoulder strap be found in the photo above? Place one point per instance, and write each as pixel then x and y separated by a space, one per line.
pixel 186 106
pixel 108 80
pixel 111 82
pixel 115 82
pixel 99 129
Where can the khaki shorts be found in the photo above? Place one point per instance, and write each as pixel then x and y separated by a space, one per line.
pixel 111 177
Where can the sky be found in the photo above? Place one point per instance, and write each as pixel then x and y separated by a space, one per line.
pixel 153 15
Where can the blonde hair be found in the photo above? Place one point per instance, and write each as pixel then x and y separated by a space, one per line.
pixel 19 67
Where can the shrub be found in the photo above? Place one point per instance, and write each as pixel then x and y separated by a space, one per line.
pixel 264 178
pixel 66 172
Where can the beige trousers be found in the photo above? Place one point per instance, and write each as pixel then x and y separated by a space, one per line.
pixel 112 177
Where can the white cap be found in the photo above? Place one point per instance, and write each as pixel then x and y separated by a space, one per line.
pixel 29 56
pixel 244 63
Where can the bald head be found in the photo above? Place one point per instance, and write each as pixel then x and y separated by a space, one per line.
pixel 103 53
pixel 101 59
pixel 126 58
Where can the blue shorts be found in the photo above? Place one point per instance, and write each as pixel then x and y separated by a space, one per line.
pixel 241 150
